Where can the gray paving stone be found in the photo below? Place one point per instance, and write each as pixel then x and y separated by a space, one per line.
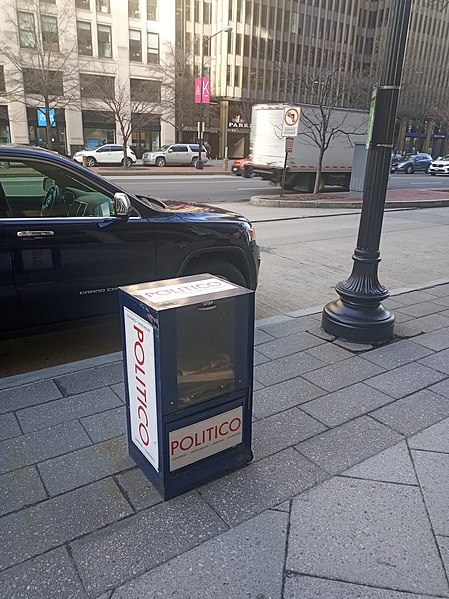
pixel 329 353
pixel 282 396
pixel 257 386
pixel 27 395
pixel 49 576
pixel 353 347
pixel 37 529
pixel 415 297
pixel 9 427
pixel 318 331
pixel 414 413
pixel 261 485
pixel 120 552
pixel 365 532
pixel 42 445
pixel 225 567
pixel 338 407
pixel 290 326
pixel 260 358
pixel 425 324
pixel 67 408
pixel 282 430
pixel 432 470
pixel 342 374
pixel 119 390
pixel 393 465
pixel 443 543
pixel 441 388
pixel 92 378
pixel 405 380
pixel 138 489
pixel 86 465
pixel 396 354
pixel 438 361
pixel 261 337
pixel 308 587
pixel 340 448
pixel 105 425
pixel 290 344
pixel 439 290
pixel 422 309
pixel 434 438
pixel 436 340
pixel 442 301
pixel 286 368
pixel 20 488
pixel 283 507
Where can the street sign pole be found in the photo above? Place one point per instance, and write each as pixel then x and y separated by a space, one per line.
pixel 288 149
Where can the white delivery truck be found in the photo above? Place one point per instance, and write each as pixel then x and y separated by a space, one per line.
pixel 268 146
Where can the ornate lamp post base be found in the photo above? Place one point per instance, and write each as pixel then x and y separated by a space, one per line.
pixel 358 323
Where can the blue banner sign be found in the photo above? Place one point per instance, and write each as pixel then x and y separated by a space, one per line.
pixel 42 117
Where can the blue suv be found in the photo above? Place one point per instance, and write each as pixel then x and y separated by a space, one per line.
pixel 411 163
pixel 69 239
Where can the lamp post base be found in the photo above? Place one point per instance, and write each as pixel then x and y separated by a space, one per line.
pixel 356 323
pixel 199 165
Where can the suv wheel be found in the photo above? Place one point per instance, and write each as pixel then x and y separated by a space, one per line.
pixel 194 161
pixel 409 170
pixel 91 161
pixel 128 162
pixel 428 170
pixel 160 161
pixel 216 267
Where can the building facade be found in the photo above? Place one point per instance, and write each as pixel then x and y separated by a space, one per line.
pixel 273 45
pixel 100 46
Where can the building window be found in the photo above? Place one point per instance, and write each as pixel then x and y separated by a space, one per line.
pixel 32 82
pixel 153 48
pixel 83 4
pixel 103 6
pixel 84 34
pixel 2 78
pixel 207 13
pixel 96 86
pixel 152 10
pixel 50 38
pixel 133 9
pixel 104 41
pixel 144 90
pixel 135 45
pixel 27 30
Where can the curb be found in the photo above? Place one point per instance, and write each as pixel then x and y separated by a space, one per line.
pixel 356 204
pixel 132 171
pixel 29 378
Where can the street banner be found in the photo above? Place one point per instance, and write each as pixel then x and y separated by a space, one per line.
pixel 202 90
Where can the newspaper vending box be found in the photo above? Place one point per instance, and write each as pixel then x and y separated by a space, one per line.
pixel 188 358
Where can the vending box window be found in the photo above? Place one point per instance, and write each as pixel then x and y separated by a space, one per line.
pixel 188 358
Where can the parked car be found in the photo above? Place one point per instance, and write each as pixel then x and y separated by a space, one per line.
pixel 107 154
pixel 175 154
pixel 411 163
pixel 440 166
pixel 242 166
pixel 70 238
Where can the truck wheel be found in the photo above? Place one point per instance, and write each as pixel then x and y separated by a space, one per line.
pixel 217 267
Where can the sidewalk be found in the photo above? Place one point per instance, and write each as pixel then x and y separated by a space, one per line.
pixel 213 167
pixel 347 496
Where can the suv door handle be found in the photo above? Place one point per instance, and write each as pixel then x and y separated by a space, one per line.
pixel 35 233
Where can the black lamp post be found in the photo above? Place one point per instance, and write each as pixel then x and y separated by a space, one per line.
pixel 205 43
pixel 359 315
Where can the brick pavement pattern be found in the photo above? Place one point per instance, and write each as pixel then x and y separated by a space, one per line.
pixel 347 496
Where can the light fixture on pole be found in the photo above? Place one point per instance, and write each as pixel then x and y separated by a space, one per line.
pixel 204 44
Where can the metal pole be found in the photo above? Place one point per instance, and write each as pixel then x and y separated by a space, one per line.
pixel 199 162
pixel 283 174
pixel 359 315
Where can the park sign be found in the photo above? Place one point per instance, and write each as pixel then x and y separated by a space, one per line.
pixel 290 121
pixel 202 90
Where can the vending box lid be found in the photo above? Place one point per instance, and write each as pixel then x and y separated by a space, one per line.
pixel 184 291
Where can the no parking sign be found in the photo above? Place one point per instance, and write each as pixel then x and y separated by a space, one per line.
pixel 290 121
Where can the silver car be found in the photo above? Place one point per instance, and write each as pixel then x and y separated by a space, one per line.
pixel 175 154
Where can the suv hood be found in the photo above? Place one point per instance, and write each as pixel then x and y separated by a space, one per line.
pixel 209 212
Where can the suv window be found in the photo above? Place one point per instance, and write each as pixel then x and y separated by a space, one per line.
pixel 179 148
pixel 105 149
pixel 31 189
pixel 116 149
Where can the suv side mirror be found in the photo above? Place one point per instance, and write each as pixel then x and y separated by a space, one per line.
pixel 122 205
pixel 170 150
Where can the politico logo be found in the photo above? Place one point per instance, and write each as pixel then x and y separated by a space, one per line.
pixel 169 293
pixel 139 339
pixel 207 437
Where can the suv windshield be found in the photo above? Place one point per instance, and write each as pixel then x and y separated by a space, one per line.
pixel 163 149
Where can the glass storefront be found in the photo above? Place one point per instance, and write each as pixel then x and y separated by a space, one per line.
pixel 96 136
pixel 145 141
pixel 38 133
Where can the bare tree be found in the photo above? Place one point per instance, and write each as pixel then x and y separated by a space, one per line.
pixel 177 72
pixel 133 104
pixel 44 70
